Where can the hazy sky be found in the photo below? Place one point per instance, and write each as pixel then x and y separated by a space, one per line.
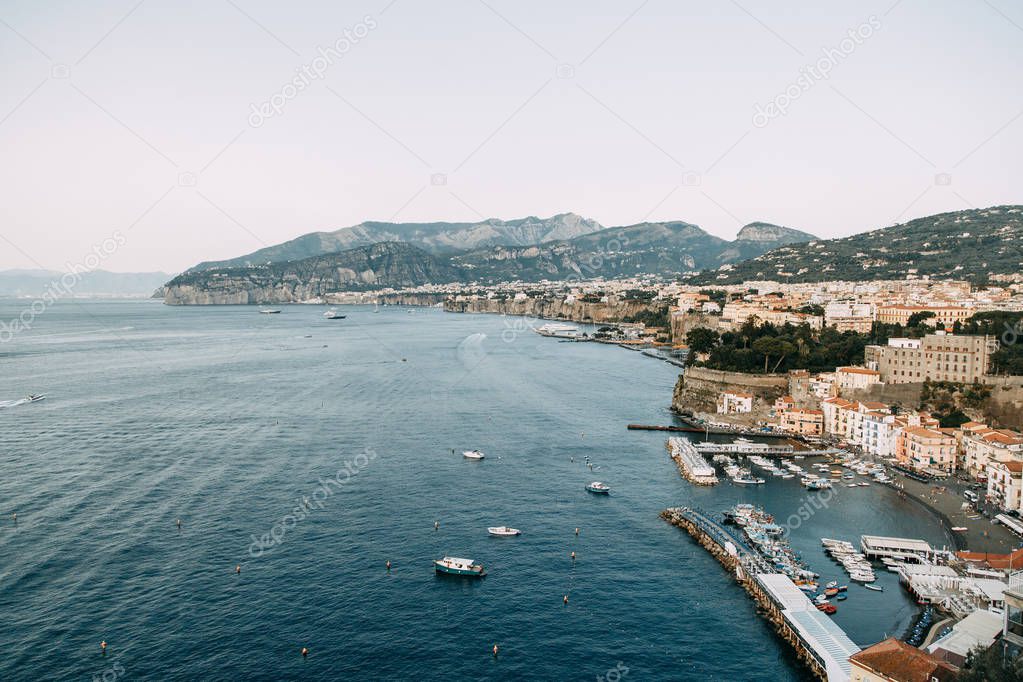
pixel 137 117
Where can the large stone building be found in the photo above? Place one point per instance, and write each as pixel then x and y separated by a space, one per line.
pixel 938 357
pixel 926 449
pixel 944 316
pixel 849 316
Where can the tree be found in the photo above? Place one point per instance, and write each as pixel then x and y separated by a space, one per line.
pixel 916 319
pixel 702 339
pixel 770 346
pixel 992 665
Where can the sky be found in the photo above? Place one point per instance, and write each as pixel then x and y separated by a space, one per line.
pixel 158 134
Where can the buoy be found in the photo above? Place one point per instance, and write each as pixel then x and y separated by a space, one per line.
pixel 179 523
pixel 577 531
pixel 436 525
pixel 565 600
pixel 238 568
pixel 305 652
pixel 573 556
pixel 495 650
pixel 14 516
pixel 103 646
pixel 388 564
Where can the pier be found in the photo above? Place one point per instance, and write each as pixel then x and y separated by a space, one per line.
pixel 691 464
pixel 818 641
pixel 710 431
pixel 764 449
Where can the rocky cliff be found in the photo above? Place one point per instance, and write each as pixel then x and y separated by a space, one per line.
pixel 552 309
pixel 387 264
pixel 698 389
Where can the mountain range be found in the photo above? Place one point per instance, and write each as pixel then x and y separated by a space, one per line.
pixel 971 244
pixel 411 254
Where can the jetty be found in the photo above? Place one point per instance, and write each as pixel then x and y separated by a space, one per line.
pixel 709 430
pixel 818 642
pixel 691 464
pixel 764 449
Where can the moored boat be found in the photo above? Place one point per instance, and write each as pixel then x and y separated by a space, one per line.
pixel 503 531
pixel 598 487
pixel 333 315
pixel 455 566
pixel 473 454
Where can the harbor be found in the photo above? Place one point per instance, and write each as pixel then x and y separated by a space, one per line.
pixel 817 641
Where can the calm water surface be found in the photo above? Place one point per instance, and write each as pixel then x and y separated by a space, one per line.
pixel 227 420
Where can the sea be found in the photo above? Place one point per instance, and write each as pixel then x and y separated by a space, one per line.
pixel 302 454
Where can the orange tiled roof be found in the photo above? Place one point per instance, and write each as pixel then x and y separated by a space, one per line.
pixel 858 370
pixel 901 662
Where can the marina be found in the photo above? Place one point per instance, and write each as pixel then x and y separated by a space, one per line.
pixel 817 641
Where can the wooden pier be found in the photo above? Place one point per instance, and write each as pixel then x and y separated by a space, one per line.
pixel 818 642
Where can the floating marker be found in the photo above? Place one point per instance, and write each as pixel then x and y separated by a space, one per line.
pixel 577 531
pixel 388 564
pixel 179 523
pixel 305 652
pixel 103 646
pixel 436 525
pixel 495 651
pixel 565 600
pixel 238 569
pixel 573 556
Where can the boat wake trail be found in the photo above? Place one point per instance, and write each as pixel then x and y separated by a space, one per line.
pixel 13 403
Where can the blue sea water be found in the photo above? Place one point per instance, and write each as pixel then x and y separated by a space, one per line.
pixel 232 421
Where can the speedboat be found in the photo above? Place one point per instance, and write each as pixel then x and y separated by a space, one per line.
pixel 473 454
pixel 34 398
pixel 503 531
pixel 598 487
pixel 333 315
pixel 455 566
pixel 270 311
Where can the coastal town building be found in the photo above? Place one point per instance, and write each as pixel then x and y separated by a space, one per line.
pixel 926 449
pixel 945 316
pixel 982 446
pixel 855 378
pixel 1004 485
pixel 735 403
pixel 1012 628
pixel 936 357
pixel 849 316
pixel 895 661
pixel 802 422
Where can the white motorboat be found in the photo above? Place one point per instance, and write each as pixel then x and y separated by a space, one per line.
pixel 503 531
pixel 333 315
pixel 270 311
pixel 473 454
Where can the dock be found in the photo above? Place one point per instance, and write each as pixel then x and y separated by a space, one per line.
pixel 818 642
pixel 691 464
pixel 764 449
pixel 709 430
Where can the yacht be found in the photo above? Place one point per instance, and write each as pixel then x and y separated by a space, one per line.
pixel 33 398
pixel 473 454
pixel 503 531
pixel 558 330
pixel 455 566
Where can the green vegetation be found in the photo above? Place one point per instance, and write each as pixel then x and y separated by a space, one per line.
pixel 756 348
pixel 651 318
pixel 991 665
pixel 946 400
pixel 1007 327
pixel 970 244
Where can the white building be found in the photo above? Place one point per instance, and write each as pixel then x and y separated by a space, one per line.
pixel 735 403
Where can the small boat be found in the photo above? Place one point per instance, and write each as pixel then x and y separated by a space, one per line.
pixel 34 398
pixel 841 597
pixel 473 454
pixel 455 566
pixel 333 315
pixel 833 583
pixel 874 587
pixel 269 311
pixel 960 529
pixel 831 592
pixel 829 609
pixel 598 487
pixel 503 531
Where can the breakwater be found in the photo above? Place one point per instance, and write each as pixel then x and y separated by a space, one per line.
pixel 818 643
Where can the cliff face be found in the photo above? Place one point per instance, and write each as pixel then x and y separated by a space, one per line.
pixel 577 311
pixel 698 388
pixel 388 264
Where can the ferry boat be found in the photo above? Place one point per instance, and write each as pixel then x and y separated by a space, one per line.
pixel 473 454
pixel 559 331
pixel 503 531
pixel 598 487
pixel 333 315
pixel 455 566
